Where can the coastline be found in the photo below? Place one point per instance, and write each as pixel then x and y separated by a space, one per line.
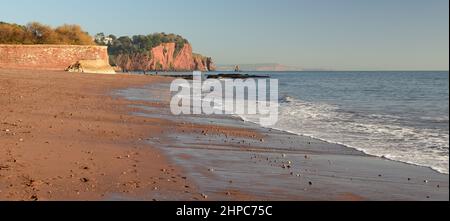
pixel 270 164
pixel 72 136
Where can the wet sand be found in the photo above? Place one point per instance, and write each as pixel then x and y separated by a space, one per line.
pixel 101 137
pixel 225 155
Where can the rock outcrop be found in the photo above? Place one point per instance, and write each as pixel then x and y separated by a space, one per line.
pixel 165 58
pixel 91 66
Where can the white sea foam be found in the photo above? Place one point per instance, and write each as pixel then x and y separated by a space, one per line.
pixel 375 135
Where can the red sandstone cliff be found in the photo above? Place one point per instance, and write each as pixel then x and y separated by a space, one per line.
pixel 165 59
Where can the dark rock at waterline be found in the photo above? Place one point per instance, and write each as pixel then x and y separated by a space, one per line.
pixel 216 76
pixel 236 76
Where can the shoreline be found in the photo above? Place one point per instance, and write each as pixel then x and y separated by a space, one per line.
pixel 77 137
pixel 350 147
pixel 192 149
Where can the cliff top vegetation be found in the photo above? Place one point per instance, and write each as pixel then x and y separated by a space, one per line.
pixel 37 33
pixel 139 43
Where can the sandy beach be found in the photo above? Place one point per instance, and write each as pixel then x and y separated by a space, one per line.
pixel 63 138
pixel 68 136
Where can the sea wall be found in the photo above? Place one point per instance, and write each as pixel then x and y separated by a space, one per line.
pixel 49 57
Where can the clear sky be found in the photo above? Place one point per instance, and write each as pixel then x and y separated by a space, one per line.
pixel 331 34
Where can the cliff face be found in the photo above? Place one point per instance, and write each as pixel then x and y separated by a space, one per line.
pixel 165 59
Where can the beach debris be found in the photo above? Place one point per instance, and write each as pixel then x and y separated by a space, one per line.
pixel 262 140
pixel 204 196
pixel 310 183
pixel 306 157
pixel 285 166
pixel 34 197
pixel 4 167
pixel 283 155
pixel 409 179
pixel 84 180
pixel 211 170
pixel 426 181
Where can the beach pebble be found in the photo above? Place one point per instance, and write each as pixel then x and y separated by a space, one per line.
pixel 310 183
pixel 204 196
pixel 34 198
pixel 425 181
pixel 211 170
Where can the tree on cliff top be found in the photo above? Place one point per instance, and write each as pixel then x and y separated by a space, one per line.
pixel 36 33
pixel 143 43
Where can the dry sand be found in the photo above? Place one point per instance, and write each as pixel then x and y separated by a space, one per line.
pixel 62 137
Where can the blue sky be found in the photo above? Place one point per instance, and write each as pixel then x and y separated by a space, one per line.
pixel 331 34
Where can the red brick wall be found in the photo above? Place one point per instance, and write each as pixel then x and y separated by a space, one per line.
pixel 48 57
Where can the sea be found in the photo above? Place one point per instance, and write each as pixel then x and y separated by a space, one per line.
pixel 402 115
